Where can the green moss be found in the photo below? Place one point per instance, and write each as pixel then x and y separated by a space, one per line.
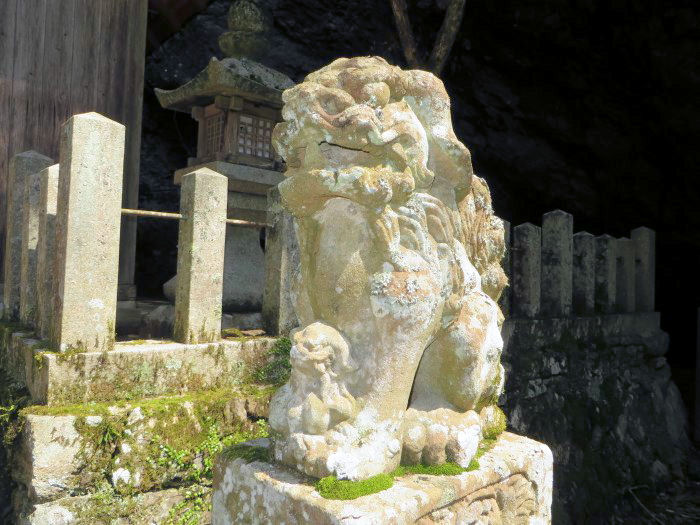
pixel 446 469
pixel 247 453
pixel 497 426
pixel 105 505
pixel 484 447
pixel 13 398
pixel 332 488
pixel 278 367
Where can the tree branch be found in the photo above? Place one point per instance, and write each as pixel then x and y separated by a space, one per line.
pixel 446 36
pixel 405 32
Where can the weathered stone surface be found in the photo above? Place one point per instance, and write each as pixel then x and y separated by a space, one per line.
pixel 200 257
pixel 505 300
pixel 605 273
pixel 399 251
pixel 30 238
pixel 599 392
pixel 159 322
pixel 61 454
pixel 131 370
pixel 512 485
pixel 584 273
pixel 230 76
pixel 645 268
pixel 88 223
pixel 21 167
pixel 625 276
pixel 282 268
pixel 557 255
pixel 46 251
pixel 526 278
pixel 150 507
pixel 244 275
pixel 46 458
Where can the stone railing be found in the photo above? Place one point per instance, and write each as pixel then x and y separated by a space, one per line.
pixel 62 248
pixel 585 366
pixel 555 273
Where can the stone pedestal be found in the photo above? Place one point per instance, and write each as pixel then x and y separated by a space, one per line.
pixel 512 485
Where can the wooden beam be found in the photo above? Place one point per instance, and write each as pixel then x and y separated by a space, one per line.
pixel 403 26
pixel 446 36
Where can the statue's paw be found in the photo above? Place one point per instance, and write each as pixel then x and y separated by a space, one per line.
pixel 351 450
pixel 438 436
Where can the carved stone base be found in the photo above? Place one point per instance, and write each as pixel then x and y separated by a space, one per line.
pixel 512 486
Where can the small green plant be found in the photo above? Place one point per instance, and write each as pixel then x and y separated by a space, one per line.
pixel 278 367
pixel 191 509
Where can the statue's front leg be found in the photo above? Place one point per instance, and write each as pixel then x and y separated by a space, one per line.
pixel 456 388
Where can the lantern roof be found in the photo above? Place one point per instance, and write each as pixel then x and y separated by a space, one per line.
pixel 228 77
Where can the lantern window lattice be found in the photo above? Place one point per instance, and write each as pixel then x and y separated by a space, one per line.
pixel 254 136
pixel 214 133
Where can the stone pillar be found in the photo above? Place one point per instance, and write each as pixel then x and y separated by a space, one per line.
pixel 87 233
pixel 21 167
pixel 527 240
pixel 625 276
pixel 505 299
pixel 282 266
pixel 200 257
pixel 584 273
pixel 645 268
pixel 605 273
pixel 30 236
pixel 557 255
pixel 46 249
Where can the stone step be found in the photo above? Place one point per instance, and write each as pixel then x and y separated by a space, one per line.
pixel 127 448
pixel 132 370
pixel 162 506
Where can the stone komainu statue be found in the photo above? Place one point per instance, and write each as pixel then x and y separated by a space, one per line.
pixel 398 357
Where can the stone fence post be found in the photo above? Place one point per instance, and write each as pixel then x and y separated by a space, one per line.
pixel 28 257
pixel 605 274
pixel 584 273
pixel 645 268
pixel 526 260
pixel 557 259
pixel 282 266
pixel 22 166
pixel 200 257
pixel 505 299
pixel 625 276
pixel 46 249
pixel 87 233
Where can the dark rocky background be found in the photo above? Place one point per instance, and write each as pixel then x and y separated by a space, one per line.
pixel 590 106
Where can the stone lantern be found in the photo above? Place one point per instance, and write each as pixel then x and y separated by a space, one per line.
pixel 236 102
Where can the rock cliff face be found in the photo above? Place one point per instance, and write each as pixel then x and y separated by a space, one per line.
pixel 587 107
pixel 598 391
